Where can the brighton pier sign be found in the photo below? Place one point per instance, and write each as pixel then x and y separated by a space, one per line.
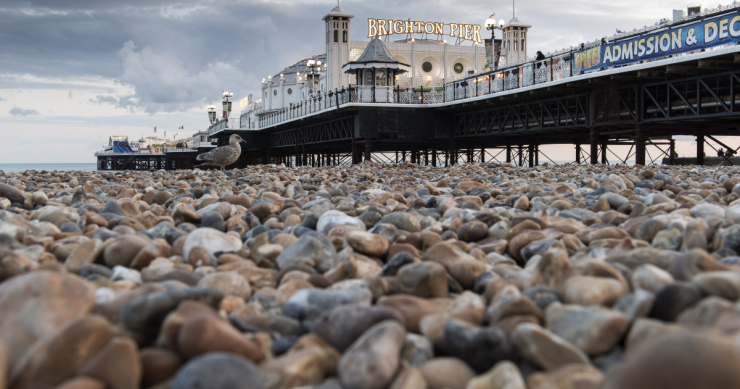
pixel 381 27
pixel 677 39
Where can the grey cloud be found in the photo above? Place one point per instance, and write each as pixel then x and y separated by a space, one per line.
pixel 15 111
pixel 99 100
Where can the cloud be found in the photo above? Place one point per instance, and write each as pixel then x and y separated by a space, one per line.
pixel 126 102
pixel 15 111
pixel 2 99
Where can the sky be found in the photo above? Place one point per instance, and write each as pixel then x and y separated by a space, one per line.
pixel 73 72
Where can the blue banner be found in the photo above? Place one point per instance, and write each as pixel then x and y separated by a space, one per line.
pixel 679 39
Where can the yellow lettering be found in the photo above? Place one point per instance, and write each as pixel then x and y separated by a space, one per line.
pixel 710 36
pixel 398 27
pixel 468 30
pixel 429 27
pixel 419 26
pixel 733 32
pixel 439 28
pixel 676 39
pixel 723 28
pixel 372 28
pixel 381 28
pixel 453 29
pixel 476 34
pixel 409 25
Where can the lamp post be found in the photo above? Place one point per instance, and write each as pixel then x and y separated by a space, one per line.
pixel 493 48
pixel 226 103
pixel 212 113
pixel 313 64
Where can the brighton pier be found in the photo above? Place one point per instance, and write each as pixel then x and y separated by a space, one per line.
pixel 375 107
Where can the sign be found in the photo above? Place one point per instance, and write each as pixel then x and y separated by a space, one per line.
pixel 679 39
pixel 381 27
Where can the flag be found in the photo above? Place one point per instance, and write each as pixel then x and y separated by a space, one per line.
pixel 155 130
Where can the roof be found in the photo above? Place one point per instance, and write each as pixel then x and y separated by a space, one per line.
pixel 375 52
pixel 515 22
pixel 289 73
pixel 338 12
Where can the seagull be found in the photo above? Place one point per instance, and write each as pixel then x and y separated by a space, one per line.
pixel 224 155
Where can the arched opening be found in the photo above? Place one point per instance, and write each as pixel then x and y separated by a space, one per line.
pixel 522 44
pixel 336 35
pixel 344 36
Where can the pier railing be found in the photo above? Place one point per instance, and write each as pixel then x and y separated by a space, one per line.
pixel 513 77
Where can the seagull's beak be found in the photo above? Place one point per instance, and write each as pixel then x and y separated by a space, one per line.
pixel 243 141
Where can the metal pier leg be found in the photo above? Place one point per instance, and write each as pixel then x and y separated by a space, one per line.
pixel 508 153
pixel 639 146
pixel 536 155
pixel 521 156
pixel 434 156
pixel 594 147
pixel 483 155
pixel 603 151
pixel 531 154
pixel 700 149
pixel 578 153
pixel 368 149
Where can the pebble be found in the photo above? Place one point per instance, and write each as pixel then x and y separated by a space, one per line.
pixel 373 275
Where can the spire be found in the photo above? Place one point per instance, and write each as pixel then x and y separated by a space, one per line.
pixel 513 8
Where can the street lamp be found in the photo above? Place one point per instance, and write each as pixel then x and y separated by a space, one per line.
pixel 493 46
pixel 212 113
pixel 313 64
pixel 226 103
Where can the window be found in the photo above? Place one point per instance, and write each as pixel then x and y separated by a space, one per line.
pixel 336 35
pixel 522 44
pixel 427 67
pixel 514 45
pixel 290 91
pixel 344 36
pixel 274 92
pixel 380 77
pixel 458 68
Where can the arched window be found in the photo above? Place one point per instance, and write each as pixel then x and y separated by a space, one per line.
pixel 514 45
pixel 344 36
pixel 522 44
pixel 336 35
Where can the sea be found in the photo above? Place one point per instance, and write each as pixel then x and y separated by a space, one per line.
pixel 86 167
pixel 22 167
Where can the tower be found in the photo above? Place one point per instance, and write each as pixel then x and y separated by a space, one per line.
pixel 337 47
pixel 515 40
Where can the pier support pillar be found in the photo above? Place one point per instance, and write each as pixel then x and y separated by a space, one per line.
pixel 639 147
pixel 536 155
pixel 521 155
pixel 483 155
pixel 700 149
pixel 578 153
pixel 604 147
pixel 508 153
pixel 594 147
pixel 672 151
pixel 368 149
pixel 434 156
pixel 531 154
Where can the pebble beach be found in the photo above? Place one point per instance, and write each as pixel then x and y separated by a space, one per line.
pixel 371 276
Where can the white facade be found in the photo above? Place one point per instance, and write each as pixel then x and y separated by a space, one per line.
pixel 433 63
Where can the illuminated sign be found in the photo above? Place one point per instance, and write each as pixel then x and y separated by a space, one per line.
pixel 381 27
